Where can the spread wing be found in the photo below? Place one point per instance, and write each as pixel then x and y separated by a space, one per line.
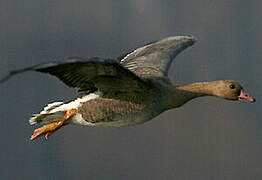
pixel 155 59
pixel 89 75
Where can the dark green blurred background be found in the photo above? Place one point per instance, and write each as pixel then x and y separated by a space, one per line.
pixel 208 138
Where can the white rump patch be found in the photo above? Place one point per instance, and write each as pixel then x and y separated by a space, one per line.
pixel 32 120
pixel 60 106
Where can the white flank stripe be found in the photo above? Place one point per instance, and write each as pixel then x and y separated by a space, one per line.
pixel 76 103
pixel 52 104
pixel 49 106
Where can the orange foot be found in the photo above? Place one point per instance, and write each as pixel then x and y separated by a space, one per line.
pixel 50 128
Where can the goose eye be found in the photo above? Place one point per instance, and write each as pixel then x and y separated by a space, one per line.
pixel 232 86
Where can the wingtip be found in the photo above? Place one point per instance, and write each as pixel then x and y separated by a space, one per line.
pixel 4 79
pixel 189 39
pixel 12 73
pixel 192 38
pixel 183 38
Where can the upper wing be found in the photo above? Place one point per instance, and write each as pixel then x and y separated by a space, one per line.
pixel 106 75
pixel 155 59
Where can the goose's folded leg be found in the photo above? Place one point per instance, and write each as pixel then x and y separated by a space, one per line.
pixel 50 128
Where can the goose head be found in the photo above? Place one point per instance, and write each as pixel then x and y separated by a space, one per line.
pixel 230 90
pixel 226 89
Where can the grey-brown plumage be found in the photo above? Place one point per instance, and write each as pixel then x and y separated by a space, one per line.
pixel 129 90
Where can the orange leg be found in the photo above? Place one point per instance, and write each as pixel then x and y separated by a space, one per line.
pixel 50 128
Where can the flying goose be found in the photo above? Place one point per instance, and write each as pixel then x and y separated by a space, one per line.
pixel 126 91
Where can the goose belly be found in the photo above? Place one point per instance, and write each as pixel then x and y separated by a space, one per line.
pixel 103 112
pixel 115 120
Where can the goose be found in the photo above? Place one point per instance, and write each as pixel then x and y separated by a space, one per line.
pixel 129 90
